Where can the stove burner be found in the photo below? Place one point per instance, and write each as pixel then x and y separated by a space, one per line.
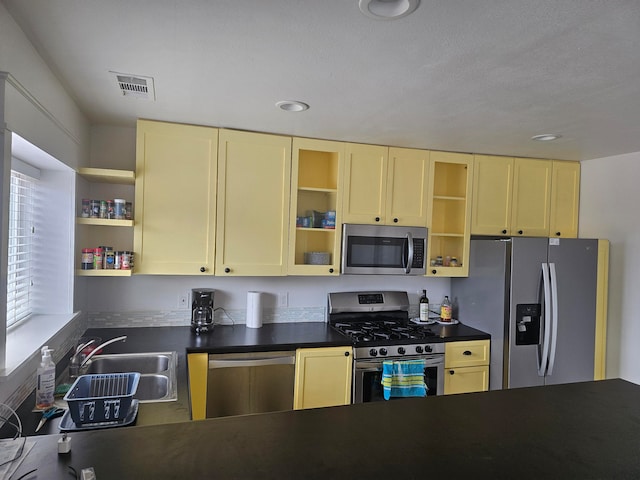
pixel 382 330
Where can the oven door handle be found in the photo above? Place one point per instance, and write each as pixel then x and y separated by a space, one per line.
pixel 407 268
pixel 376 365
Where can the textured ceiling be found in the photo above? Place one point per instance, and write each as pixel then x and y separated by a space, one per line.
pixel 478 76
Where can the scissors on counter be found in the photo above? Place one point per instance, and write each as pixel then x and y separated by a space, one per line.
pixel 49 414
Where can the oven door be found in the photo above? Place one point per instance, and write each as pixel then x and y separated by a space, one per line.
pixel 367 377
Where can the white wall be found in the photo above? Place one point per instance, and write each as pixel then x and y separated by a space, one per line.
pixel 160 293
pixel 37 107
pixel 609 202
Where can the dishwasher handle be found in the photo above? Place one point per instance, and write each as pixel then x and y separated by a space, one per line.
pixel 252 362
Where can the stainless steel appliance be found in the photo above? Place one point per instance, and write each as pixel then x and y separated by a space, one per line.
pixel 380 249
pixel 202 310
pixel 537 299
pixel 378 324
pixel 251 382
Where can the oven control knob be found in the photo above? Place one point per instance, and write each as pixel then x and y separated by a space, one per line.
pixel 373 352
pixel 383 351
pixel 401 350
pixel 428 349
pixel 418 349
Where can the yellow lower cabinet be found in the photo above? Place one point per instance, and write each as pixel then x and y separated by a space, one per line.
pixel 466 366
pixel 198 365
pixel 323 377
pixel 466 380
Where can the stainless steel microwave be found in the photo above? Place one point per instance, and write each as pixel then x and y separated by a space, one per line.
pixel 383 250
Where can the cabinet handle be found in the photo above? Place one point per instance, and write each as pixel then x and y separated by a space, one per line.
pixel 377 219
pixel 504 232
pixel 202 269
pixel 331 270
pixel 434 271
pixel 557 234
pixel 346 354
pixel 451 372
pixel 466 352
pixel 227 270
pixel 395 220
pixel 520 232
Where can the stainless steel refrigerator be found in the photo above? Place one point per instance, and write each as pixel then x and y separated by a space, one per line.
pixel 537 299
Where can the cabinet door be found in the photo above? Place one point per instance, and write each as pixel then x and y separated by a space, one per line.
pixel 492 190
pixel 450 181
pixel 407 187
pixel 466 380
pixel 175 194
pixel 365 184
pixel 565 200
pixel 323 377
pixel 531 196
pixel 316 186
pixel 254 174
pixel 466 353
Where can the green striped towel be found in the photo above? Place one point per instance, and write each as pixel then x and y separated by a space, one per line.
pixel 403 378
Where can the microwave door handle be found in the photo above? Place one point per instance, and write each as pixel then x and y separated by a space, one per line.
pixel 407 268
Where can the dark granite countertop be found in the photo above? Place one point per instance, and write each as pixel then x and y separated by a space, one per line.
pixel 223 339
pixel 583 430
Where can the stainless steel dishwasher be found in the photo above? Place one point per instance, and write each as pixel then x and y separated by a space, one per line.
pixel 252 382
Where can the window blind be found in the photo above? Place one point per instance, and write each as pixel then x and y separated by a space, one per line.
pixel 21 234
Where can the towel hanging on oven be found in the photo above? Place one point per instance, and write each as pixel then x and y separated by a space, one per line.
pixel 403 378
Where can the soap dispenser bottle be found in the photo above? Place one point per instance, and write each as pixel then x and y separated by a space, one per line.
pixel 46 380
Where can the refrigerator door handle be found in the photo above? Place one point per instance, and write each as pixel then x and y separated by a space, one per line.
pixel 543 358
pixel 554 317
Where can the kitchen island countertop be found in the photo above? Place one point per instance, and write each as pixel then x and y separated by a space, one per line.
pixel 583 430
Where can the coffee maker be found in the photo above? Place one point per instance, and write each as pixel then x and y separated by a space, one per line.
pixel 202 310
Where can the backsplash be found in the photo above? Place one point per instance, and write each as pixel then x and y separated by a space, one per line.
pixel 172 318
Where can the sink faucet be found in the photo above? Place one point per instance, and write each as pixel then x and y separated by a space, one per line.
pixel 77 362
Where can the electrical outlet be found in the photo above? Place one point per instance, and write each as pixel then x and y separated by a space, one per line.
pixel 283 299
pixel 183 301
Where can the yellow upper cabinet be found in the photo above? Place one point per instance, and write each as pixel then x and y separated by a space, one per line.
pixel 531 197
pixel 407 187
pixel 365 183
pixel 175 194
pixel 565 199
pixel 254 174
pixel 385 185
pixel 450 178
pixel 316 188
pixel 492 190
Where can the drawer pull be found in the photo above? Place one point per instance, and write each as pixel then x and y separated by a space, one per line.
pixel 451 372
pixel 466 352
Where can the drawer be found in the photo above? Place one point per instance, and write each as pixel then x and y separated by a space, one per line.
pixel 466 354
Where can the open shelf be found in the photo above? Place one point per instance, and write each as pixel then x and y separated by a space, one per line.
pixel 103 273
pixel 104 222
pixel 106 175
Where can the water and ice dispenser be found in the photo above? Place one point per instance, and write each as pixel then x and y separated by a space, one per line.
pixel 528 323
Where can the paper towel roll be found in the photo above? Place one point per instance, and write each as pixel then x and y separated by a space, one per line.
pixel 254 309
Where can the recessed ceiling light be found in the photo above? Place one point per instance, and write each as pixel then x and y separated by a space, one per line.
pixel 546 137
pixel 387 9
pixel 292 106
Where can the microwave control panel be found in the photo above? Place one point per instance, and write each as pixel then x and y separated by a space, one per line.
pixel 418 254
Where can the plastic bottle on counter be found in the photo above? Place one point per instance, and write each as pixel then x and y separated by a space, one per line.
pixel 445 309
pixel 46 380
pixel 424 307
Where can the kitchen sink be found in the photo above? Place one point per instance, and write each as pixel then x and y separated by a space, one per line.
pixel 157 372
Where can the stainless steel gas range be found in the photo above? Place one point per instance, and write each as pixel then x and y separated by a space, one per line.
pixel 378 324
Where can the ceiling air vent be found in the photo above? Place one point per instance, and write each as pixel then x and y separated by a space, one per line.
pixel 137 86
